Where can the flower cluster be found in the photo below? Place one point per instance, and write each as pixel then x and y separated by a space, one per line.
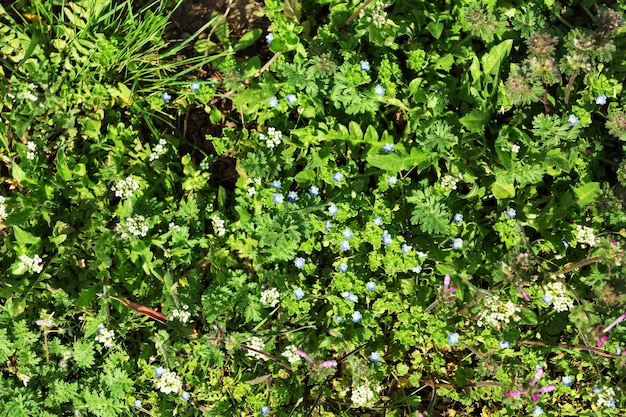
pixel 159 150
pixel 270 296
pixel 448 181
pixel 218 225
pixel 32 148
pixel 361 395
pixel 125 187
pixel 256 343
pixel 3 209
pixel 379 15
pixel 291 354
pixel 497 313
pixel 183 315
pixel 555 293
pixel 104 336
pixel 135 226
pixel 585 235
pixel 606 396
pixel 33 264
pixel 273 137
pixel 167 381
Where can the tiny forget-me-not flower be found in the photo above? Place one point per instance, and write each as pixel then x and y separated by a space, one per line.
pixel 406 248
pixel 371 286
pixel 343 267
pixel 510 212
pixel 291 98
pixel 292 196
pixel 453 338
pixel 457 243
pixel 166 97
pixel 388 147
pixel 379 90
pixel 387 238
pixel 344 246
pixel 278 198
pixel 314 191
pixel 299 262
pixel 601 99
pixel 332 209
pixel 458 218
pixel 357 317
pixel 573 120
pixel 273 102
pixel 365 66
pixel 298 293
pixel 337 176
pixel 347 234
pixel 375 356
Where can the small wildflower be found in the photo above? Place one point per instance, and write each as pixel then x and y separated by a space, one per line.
pixel 392 180
pixel 515 148
pixel 343 267
pixel 365 66
pixel 278 198
pixel 573 120
pixel 24 378
pixel 339 319
pixel 265 410
pixel 299 262
pixel 328 225
pixel 458 218
pixel 218 225
pixel 314 191
pixel 347 234
pixel 585 235
pixel 601 99
pixel 446 282
pixel 555 294
pixel 387 240
pixel 496 313
pixel 537 411
pixel 453 338
pixel 328 364
pixel 567 381
pixel 166 97
pixel 271 296
pixel 291 354
pixel 371 286
pixel 361 395
pixel 292 196
pixel 406 248
pixel 457 243
pixel 185 396
pixel 251 191
pixel 194 87
pixel 332 209
pixel 375 356
pixel 32 147
pixel 614 323
pixel 291 98
pixel 378 221
pixel 618 351
pixel 350 296
pixel 337 176
pixel 344 246
pixel 273 102
pixel 46 322
pixel 510 212
pixel 104 336
pixel 269 37
pixel 183 315
pixel 159 150
pixel 298 293
pixel 276 185
pixel 357 317
pixel 388 147
pixel 137 404
pixel 125 187
pixel 256 343
pixel 565 243
pixel 158 372
pixel 379 90
pixel 3 209
pixel 505 344
pixel 417 269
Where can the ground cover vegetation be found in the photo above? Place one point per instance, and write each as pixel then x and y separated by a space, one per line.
pixel 398 208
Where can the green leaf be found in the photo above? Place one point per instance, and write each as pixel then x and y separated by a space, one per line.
pixel 586 193
pixel 83 353
pixel 24 237
pixel 435 29
pixel 491 61
pixel 502 190
pixel 394 163
pixel 247 39
pixel 475 121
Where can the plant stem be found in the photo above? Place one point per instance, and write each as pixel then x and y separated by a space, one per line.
pixel 354 15
pixel 569 88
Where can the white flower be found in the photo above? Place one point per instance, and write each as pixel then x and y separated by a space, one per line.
pixel 256 343
pixel 24 378
pixel 555 293
pixel 496 313
pixel 606 396
pixel 515 148
pixel 125 187
pixel 270 296
pixel 31 264
pixel 104 336
pixel 159 150
pixel 168 382
pixel 218 225
pixel 291 355
pixel 3 209
pixel 251 191
pixel 135 226
pixel 182 315
pixel 46 322
pixel 585 236
pixel 361 395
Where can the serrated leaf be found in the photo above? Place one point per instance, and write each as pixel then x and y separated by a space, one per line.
pixel 83 353
pixel 475 121
pixel 394 163
pixel 502 190
pixel 24 237
pixel 586 193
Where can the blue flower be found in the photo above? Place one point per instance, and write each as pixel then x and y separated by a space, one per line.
pixel 137 404
pixel 573 120
pixel 392 180
pixel 356 317
pixel 453 338
pixel 291 98
pixel 278 198
pixel 298 293
pixel 314 191
pixel 339 319
pixel 371 286
pixel 406 248
pixel 378 221
pixel 337 176
pixel 537 411
pixel 350 296
pixel 510 212
pixel 269 37
pixel 565 242
pixel 457 243
pixel 567 381
pixel 458 218
pixel 343 267
pixel 505 344
pixel 299 262
pixel 328 225
pixel 292 196
pixel 265 410
pixel 276 185
pixel 344 246
pixel 375 356
pixel 332 209
pixel 387 238
pixel 547 299
pixel 388 147
pixel 417 269
pixel 379 90
pixel 166 97
pixel 185 396
pixel 601 99
pixel 273 102
pixel 158 372
pixel 348 233
pixel 618 351
pixel 365 66
pixel 195 87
